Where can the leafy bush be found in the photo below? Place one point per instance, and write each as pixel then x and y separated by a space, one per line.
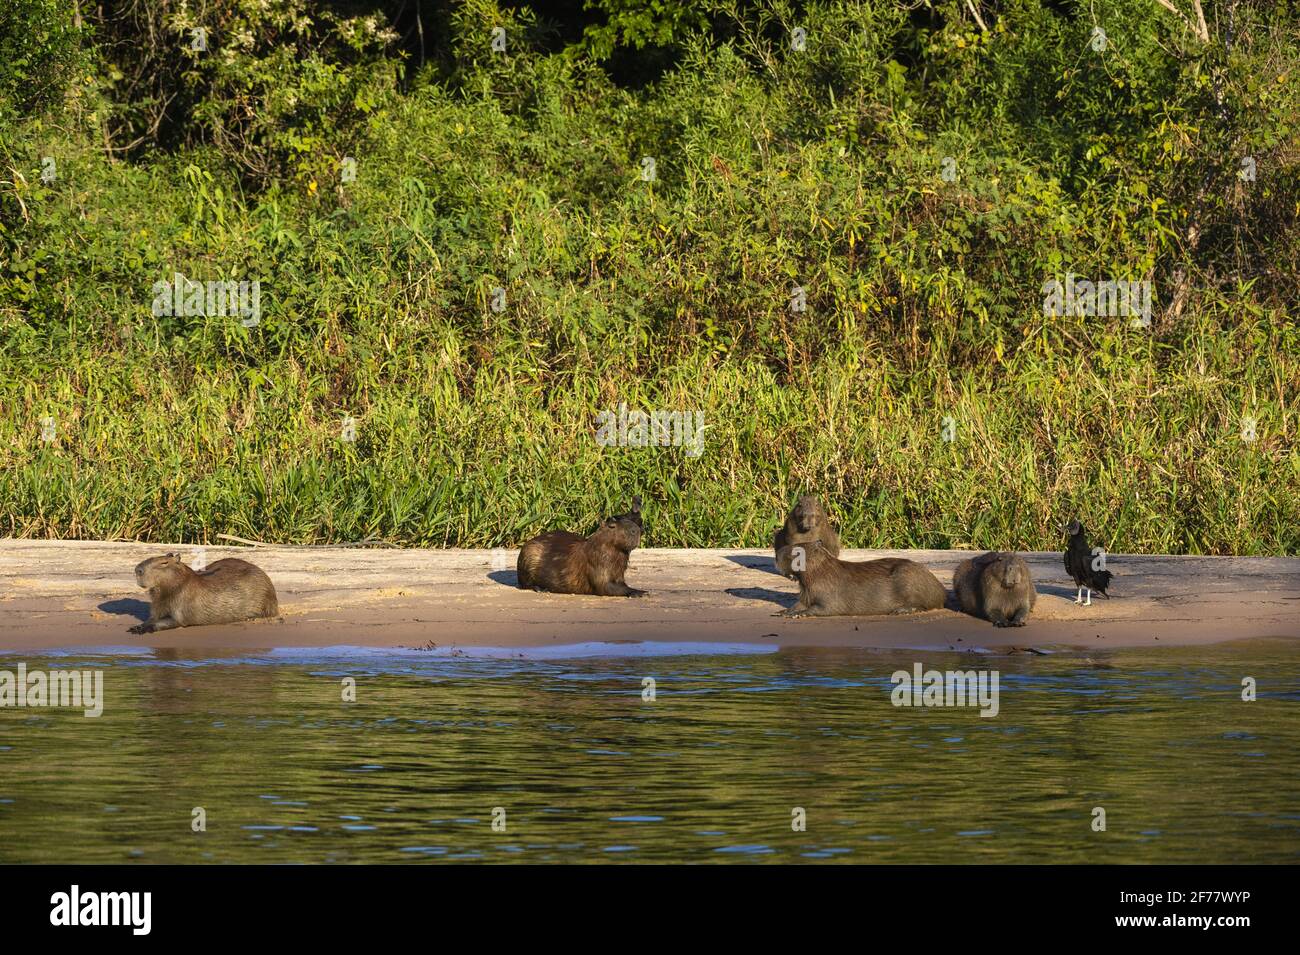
pixel 919 178
pixel 40 54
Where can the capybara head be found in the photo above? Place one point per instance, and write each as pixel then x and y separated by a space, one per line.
pixel 622 531
pixel 807 512
pixel 158 570
pixel 635 513
pixel 1007 571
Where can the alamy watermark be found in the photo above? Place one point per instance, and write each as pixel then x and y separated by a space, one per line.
pixel 82 689
pixel 75 907
pixel 655 429
pixel 1115 298
pixel 219 299
pixel 946 688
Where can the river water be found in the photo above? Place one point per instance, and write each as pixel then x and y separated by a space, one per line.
pixel 791 756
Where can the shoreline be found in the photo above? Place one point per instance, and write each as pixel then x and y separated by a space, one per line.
pixel 82 594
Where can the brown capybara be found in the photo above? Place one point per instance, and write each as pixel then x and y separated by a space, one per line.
pixel 830 587
pixel 224 592
pixel 997 587
pixel 565 563
pixel 807 522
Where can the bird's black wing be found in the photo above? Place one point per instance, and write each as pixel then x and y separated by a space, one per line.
pixel 1076 559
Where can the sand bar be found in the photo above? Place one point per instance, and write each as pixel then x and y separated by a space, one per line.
pixel 83 594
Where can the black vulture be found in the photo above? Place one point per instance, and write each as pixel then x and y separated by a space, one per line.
pixel 1079 562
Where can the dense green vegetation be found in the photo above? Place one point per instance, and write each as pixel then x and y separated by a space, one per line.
pixel 919 169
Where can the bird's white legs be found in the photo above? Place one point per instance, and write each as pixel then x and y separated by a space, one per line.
pixel 1078 597
pixel 1089 602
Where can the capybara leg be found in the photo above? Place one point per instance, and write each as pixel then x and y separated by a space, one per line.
pixel 613 589
pixel 999 620
pixel 811 610
pixel 152 626
pixel 1018 618
pixel 797 610
pixel 903 610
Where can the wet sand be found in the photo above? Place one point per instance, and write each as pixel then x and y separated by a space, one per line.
pixel 83 594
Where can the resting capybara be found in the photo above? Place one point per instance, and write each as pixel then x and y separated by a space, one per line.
pixel 831 587
pixel 997 587
pixel 807 522
pixel 565 563
pixel 226 591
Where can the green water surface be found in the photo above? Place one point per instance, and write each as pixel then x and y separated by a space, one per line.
pixel 712 770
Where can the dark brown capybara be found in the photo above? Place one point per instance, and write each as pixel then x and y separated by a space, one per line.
pixel 997 587
pixel 564 563
pixel 831 587
pixel 807 522
pixel 224 592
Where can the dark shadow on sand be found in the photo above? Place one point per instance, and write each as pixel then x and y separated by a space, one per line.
pixel 509 578
pixel 756 563
pixel 1058 591
pixel 127 607
pixel 762 593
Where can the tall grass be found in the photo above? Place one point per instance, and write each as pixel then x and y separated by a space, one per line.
pixel 477 428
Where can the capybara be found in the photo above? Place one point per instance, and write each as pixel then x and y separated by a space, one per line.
pixel 224 592
pixel 997 587
pixel 830 587
pixel 566 563
pixel 807 522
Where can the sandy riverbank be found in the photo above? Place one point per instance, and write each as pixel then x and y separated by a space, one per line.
pixel 74 593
